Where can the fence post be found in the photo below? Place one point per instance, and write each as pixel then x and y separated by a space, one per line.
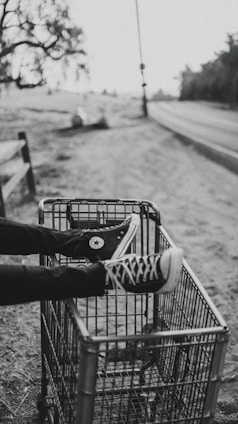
pixel 27 159
pixel 2 206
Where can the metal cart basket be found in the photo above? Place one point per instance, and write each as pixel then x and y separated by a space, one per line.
pixel 126 358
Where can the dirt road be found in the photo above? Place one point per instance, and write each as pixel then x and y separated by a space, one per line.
pixel 134 158
pixel 205 120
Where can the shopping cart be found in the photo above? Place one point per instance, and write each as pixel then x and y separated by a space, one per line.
pixel 126 358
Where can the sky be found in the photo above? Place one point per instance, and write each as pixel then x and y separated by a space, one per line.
pixel 174 33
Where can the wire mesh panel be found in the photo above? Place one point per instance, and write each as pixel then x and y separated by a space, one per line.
pixel 126 358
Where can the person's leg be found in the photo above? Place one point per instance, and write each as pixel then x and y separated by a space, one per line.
pixel 22 284
pixel 104 243
pixel 24 239
pixel 153 273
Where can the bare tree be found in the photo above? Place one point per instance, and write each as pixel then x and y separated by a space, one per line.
pixel 35 34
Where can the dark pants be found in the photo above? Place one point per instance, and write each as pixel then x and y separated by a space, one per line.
pixel 20 284
pixel 24 239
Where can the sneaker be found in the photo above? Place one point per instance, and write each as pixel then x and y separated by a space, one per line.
pixel 144 274
pixel 103 243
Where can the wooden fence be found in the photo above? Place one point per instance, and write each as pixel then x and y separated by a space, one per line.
pixel 8 150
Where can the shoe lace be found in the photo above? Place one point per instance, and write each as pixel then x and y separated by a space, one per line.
pixel 132 270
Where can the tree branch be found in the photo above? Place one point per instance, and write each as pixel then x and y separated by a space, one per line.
pixel 19 83
pixel 4 13
pixel 29 43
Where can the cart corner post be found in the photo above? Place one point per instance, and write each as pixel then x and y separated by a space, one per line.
pixel 87 381
pixel 215 376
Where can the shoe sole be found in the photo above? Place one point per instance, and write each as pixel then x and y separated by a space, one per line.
pixel 123 246
pixel 175 267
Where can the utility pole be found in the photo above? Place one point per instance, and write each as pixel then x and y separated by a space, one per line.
pixel 142 65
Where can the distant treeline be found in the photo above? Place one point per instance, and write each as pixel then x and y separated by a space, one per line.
pixel 217 81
